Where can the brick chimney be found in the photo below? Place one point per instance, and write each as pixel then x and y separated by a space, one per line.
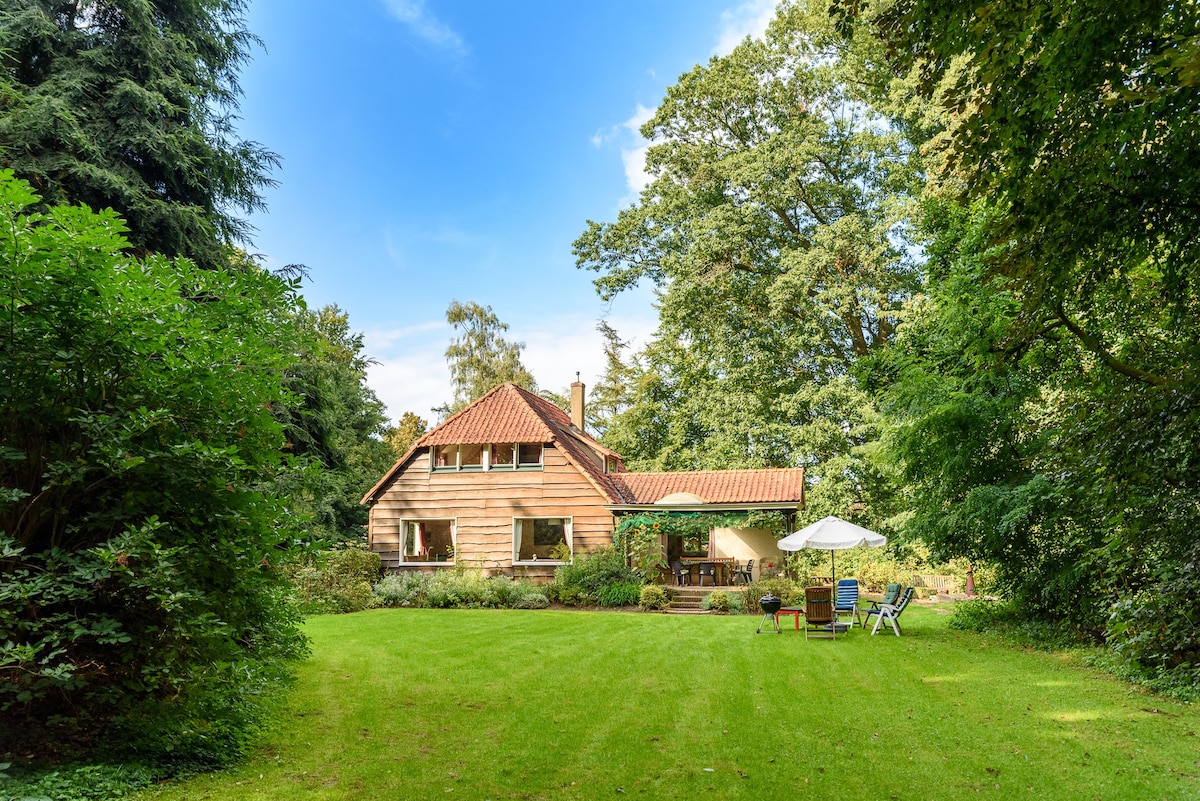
pixel 577 403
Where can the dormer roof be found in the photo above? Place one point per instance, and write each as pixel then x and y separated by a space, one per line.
pixel 509 413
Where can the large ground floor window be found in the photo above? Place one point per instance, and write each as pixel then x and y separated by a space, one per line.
pixel 427 541
pixel 541 538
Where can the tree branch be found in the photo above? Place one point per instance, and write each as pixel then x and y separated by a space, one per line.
pixel 1097 347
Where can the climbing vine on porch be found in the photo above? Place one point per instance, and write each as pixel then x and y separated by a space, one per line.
pixel 637 536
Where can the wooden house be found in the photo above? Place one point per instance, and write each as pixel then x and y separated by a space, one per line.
pixel 513 484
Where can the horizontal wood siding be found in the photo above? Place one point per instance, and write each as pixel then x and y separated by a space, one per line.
pixel 484 504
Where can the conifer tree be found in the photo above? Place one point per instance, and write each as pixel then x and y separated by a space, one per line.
pixel 129 104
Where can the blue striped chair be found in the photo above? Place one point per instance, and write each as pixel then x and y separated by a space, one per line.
pixel 847 600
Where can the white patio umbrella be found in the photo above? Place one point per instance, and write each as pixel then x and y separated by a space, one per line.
pixel 832 534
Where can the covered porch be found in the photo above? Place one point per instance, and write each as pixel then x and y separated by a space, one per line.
pixel 710 545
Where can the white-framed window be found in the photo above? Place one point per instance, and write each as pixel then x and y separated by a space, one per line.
pixel 503 456
pixel 495 456
pixel 427 542
pixel 529 455
pixel 541 539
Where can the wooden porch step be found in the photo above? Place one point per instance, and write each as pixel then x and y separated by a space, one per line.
pixel 672 611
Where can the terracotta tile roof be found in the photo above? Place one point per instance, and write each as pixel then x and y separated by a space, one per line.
pixel 773 485
pixel 506 414
pixel 511 414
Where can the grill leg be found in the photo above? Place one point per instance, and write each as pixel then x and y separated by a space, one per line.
pixel 774 621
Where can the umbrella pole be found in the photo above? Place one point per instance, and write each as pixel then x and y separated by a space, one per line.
pixel 832 568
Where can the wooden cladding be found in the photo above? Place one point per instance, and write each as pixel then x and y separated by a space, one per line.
pixel 484 504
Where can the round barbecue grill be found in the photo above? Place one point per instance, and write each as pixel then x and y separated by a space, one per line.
pixel 770 605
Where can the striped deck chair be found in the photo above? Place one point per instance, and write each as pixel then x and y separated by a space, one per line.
pixel 847 600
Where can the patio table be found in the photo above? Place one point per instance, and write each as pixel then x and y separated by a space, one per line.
pixel 723 564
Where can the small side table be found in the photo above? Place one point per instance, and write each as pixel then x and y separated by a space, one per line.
pixel 795 611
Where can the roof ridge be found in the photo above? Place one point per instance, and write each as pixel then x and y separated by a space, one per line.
pixel 463 411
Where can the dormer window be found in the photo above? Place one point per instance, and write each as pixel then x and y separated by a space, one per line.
pixel 470 457
pixel 529 455
pixel 496 456
pixel 445 457
pixel 502 455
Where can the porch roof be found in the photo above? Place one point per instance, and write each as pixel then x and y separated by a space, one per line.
pixel 770 488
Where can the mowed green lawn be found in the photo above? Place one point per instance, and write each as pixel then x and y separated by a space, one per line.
pixel 491 704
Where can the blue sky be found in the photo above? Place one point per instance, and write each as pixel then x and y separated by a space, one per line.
pixel 439 150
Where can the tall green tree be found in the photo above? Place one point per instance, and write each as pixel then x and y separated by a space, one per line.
pixel 408 429
pixel 140 473
pixel 480 358
pixel 774 230
pixel 1071 151
pixel 130 104
pixel 613 392
pixel 336 424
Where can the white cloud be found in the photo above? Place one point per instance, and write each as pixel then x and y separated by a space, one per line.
pixel 568 344
pixel 640 117
pixel 749 19
pixel 424 24
pixel 636 177
pixel 411 374
pixel 627 134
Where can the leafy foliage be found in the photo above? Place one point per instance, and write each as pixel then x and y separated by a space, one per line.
pixel 788 591
pixel 723 602
pixel 1046 400
pixel 653 598
pixel 335 424
pixel 581 582
pixel 139 458
pixel 335 581
pixel 408 430
pixel 129 105
pixel 480 358
pixel 620 593
pixel 102 782
pixel 774 230
pixel 458 589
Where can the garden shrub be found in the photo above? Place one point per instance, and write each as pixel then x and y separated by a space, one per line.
pixel 1015 624
pixel 406 588
pixel 448 589
pixel 141 481
pixel 580 582
pixel 99 782
pixel 723 602
pixel 336 581
pixel 621 593
pixel 1158 629
pixel 787 590
pixel 653 598
pixel 716 601
pixel 568 594
pixel 875 576
pixel 526 596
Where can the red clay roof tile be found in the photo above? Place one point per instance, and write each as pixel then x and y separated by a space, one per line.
pixel 511 414
pixel 772 485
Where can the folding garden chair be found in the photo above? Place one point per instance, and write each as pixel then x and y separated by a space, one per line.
pixel 847 600
pixel 891 612
pixel 818 612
